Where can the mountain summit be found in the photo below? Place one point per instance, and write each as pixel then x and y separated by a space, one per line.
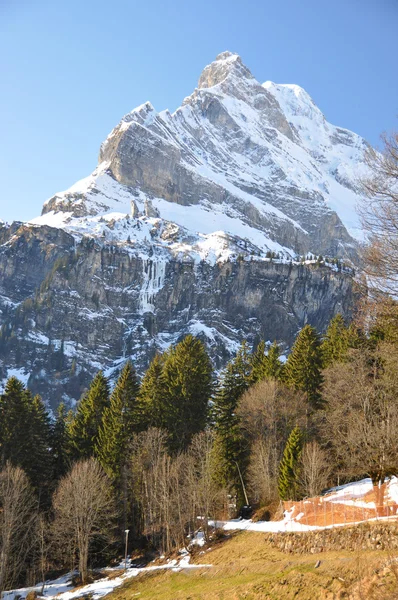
pixel 227 64
pixel 193 222
pixel 237 161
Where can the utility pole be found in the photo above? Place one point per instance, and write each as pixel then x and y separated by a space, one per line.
pixel 243 485
pixel 126 531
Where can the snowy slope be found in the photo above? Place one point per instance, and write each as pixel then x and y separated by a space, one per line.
pixel 63 589
pixel 239 166
pixel 345 505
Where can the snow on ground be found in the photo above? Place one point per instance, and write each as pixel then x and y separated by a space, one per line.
pixel 202 232
pixel 345 505
pixel 62 588
pixel 356 498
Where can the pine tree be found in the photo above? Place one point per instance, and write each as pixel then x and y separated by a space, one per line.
pixel 121 419
pixel 304 364
pixel 38 463
pixel 152 394
pixel 266 366
pixel 274 364
pixel 336 342
pixel 60 444
pixel 229 448
pixel 288 481
pixel 14 422
pixel 188 380
pixel 258 364
pixel 84 427
pixel 25 433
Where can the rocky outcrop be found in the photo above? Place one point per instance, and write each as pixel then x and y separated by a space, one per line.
pixel 69 309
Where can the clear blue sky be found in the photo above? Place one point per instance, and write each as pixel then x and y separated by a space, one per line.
pixel 71 69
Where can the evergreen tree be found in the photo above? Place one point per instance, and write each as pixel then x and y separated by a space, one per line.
pixel 188 380
pixel 60 444
pixel 266 366
pixel 152 394
pixel 229 448
pixel 120 420
pixel 357 338
pixel 258 364
pixel 25 433
pixel 288 480
pixel 336 342
pixel 14 422
pixel 84 427
pixel 38 463
pixel 304 364
pixel 274 364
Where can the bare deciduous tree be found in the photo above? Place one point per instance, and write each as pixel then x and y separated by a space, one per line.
pixel 379 212
pixel 269 410
pixel 205 497
pixel 84 508
pixel 263 471
pixel 315 469
pixel 361 420
pixel 171 492
pixel 18 515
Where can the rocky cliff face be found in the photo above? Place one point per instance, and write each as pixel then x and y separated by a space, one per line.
pixel 173 233
pixel 72 309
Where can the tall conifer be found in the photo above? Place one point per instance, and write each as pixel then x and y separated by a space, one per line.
pixel 188 380
pixel 304 364
pixel 274 365
pixel 289 473
pixel 229 446
pixel 120 420
pixel 84 427
pixel 258 364
pixel 266 365
pixel 152 393
pixel 25 433
pixel 60 444
pixel 336 342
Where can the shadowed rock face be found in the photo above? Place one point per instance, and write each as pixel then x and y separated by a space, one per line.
pixel 69 309
pixel 170 235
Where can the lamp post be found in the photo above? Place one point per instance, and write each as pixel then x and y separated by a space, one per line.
pixel 126 531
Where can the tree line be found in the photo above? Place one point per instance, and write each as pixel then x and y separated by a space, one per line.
pixel 153 455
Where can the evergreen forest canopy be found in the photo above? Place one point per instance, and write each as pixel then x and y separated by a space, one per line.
pixel 151 455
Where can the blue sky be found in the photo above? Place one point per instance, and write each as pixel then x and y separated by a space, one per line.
pixel 71 69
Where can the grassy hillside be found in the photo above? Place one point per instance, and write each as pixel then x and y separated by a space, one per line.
pixel 247 567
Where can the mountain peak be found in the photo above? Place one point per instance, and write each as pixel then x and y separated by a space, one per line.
pixel 226 64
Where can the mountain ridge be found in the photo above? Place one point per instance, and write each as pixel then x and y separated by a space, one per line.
pixel 267 175
pixel 208 220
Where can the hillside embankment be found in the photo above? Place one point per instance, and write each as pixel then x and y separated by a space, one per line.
pixel 353 563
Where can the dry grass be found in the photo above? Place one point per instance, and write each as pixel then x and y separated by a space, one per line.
pixel 247 567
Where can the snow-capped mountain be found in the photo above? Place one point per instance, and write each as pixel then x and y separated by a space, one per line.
pixel 192 222
pixel 237 161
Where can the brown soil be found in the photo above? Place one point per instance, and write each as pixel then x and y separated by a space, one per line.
pixel 322 512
